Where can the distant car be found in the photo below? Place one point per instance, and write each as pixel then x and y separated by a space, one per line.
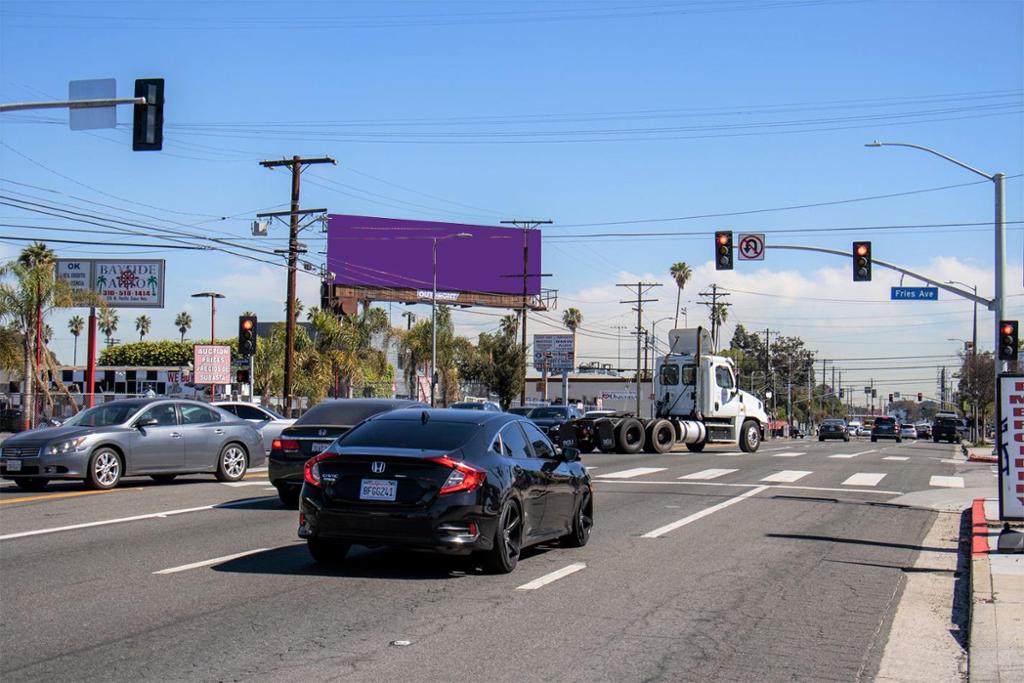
pixel 834 428
pixel 908 432
pixel 313 433
pixel 946 429
pixel 447 481
pixel 796 432
pixel 863 430
pixel 522 411
pixel 477 405
pixel 924 430
pixel 160 438
pixel 263 419
pixel 853 428
pixel 551 418
pixel 886 427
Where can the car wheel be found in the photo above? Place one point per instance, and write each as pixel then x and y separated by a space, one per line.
pixel 582 523
pixel 327 552
pixel 232 463
pixel 696 447
pixel 163 478
pixel 504 556
pixel 898 440
pixel 32 483
pixel 847 439
pixel 630 436
pixel 821 438
pixel 750 437
pixel 104 469
pixel 289 496
pixel 586 445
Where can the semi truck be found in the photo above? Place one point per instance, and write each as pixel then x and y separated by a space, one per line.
pixel 696 403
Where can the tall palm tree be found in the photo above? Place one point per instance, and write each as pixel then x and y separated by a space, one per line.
pixel 183 321
pixel 572 319
pixel 142 325
pixel 681 273
pixel 108 324
pixel 719 314
pixel 75 326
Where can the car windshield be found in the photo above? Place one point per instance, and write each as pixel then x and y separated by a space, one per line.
pixel 469 406
pixel 434 435
pixel 885 422
pixel 834 423
pixel 103 416
pixel 543 413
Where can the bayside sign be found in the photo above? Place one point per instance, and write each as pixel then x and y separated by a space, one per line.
pixel 122 283
pixel 1010 443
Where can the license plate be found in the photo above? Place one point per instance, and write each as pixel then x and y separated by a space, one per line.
pixel 378 489
pixel 14 466
pixel 319 446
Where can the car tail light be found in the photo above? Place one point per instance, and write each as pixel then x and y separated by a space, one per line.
pixel 463 477
pixel 311 470
pixel 284 445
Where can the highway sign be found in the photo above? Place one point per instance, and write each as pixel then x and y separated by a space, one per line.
pixel 914 294
pixel 554 352
pixel 751 247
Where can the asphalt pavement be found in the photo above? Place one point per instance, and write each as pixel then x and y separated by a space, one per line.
pixel 786 564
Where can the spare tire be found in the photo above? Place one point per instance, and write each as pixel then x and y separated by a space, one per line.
pixel 629 435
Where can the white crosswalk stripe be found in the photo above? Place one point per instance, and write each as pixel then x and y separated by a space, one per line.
pixel 629 474
pixel 788 454
pixel 898 458
pixel 787 476
pixel 864 479
pixel 947 482
pixel 847 456
pixel 705 475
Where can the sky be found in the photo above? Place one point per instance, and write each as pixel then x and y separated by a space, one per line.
pixel 612 119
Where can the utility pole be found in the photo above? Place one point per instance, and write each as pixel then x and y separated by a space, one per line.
pixel 297 164
pixel 642 288
pixel 526 225
pixel 712 305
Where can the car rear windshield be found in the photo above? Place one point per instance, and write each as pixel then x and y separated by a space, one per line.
pixel 833 422
pixel 435 435
pixel 344 412
pixel 543 413
pixel 884 422
pixel 947 422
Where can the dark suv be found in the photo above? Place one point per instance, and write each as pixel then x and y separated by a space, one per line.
pixel 946 429
pixel 886 427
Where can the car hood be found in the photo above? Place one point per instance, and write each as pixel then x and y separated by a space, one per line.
pixel 47 434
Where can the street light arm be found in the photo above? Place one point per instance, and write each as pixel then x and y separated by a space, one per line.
pixel 937 153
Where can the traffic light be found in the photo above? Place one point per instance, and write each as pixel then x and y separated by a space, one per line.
pixel 920 397
pixel 723 250
pixel 148 126
pixel 840 393
pixel 862 261
pixel 1009 340
pixel 242 377
pixel 247 335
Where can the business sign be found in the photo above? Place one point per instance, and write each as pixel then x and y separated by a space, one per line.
pixel 211 364
pixel 618 395
pixel 914 294
pixel 554 352
pixel 121 283
pixel 751 247
pixel 1010 440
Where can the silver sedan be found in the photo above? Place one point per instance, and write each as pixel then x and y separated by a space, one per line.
pixel 160 438
pixel 265 420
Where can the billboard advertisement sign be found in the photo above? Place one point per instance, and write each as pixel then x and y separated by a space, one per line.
pixel 76 272
pixel 1010 440
pixel 122 283
pixel 554 351
pixel 211 363
pixel 367 251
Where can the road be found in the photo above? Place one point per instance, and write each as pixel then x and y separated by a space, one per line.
pixel 787 564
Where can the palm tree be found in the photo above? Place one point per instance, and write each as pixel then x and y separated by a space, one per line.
pixel 719 314
pixel 572 319
pixel 75 326
pixel 142 325
pixel 681 273
pixel 183 321
pixel 108 324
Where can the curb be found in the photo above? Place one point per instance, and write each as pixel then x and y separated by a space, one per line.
pixel 977 457
pixel 979 529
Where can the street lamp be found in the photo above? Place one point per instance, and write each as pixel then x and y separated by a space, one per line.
pixel 433 311
pixel 213 310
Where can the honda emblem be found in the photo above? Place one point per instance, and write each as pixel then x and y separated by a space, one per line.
pixel 377 466
pixel 322 432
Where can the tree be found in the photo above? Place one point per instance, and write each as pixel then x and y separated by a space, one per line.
pixel 183 321
pixel 572 319
pixel 681 273
pixel 497 361
pixel 108 324
pixel 977 383
pixel 415 348
pixel 75 326
pixel 142 325
pixel 719 314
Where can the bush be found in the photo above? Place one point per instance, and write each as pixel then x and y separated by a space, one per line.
pixel 156 353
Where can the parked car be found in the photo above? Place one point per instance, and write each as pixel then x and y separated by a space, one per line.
pixel 833 428
pixel 908 432
pixel 448 481
pixel 550 418
pixel 313 433
pixel 157 437
pixel 946 428
pixel 924 430
pixel 886 427
pixel 477 405
pixel 266 421
pixel 522 411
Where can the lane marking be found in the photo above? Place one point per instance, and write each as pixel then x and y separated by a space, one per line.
pixel 635 472
pixel 950 461
pixel 787 476
pixel 847 456
pixel 207 563
pixel 552 577
pixel 750 486
pixel 947 482
pixel 59 496
pixel 661 531
pixel 591 468
pixel 823 488
pixel 789 454
pixel 898 458
pixel 729 454
pixel 236 484
pixel 708 474
pixel 864 479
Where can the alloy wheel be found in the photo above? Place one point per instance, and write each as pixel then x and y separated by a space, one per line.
pixel 234 462
pixel 107 469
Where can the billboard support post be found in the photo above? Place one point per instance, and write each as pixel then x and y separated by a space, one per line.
pixel 90 363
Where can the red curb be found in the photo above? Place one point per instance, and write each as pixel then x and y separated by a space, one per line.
pixel 979 528
pixel 982 458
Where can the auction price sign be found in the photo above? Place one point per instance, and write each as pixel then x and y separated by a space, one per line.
pixel 212 364
pixel 1010 442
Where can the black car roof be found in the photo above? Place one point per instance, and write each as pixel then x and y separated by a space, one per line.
pixel 351 411
pixel 450 415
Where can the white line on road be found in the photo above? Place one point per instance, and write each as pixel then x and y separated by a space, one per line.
pixel 947 482
pixel 236 484
pixel 729 454
pixel 787 476
pixel 635 472
pixel 847 456
pixel 789 454
pixel 704 475
pixel 864 479
pixel 207 563
pixel 748 486
pixel 951 461
pixel 661 531
pixel 898 458
pixel 553 576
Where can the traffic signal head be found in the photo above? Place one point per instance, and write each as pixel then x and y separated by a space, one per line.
pixel 1009 340
pixel 723 250
pixel 920 396
pixel 840 393
pixel 148 125
pixel 247 335
pixel 242 377
pixel 862 261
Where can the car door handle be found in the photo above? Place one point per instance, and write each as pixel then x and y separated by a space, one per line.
pixel 175 435
pixel 218 431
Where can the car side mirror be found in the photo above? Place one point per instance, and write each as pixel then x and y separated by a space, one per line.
pixel 148 422
pixel 570 454
pixel 54 422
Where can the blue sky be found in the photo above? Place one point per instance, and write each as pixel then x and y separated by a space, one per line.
pixel 584 113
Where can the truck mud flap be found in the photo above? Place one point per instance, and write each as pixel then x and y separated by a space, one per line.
pixel 567 435
pixel 605 435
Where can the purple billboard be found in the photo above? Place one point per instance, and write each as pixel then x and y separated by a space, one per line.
pixel 367 251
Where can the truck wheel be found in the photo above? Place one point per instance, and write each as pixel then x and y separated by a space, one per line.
pixel 630 436
pixel 661 437
pixel 696 447
pixel 750 437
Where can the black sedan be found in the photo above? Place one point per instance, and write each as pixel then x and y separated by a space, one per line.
pixel 449 481
pixel 313 433
pixel 833 428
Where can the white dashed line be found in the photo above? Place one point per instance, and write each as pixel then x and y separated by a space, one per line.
pixel 704 475
pixel 237 484
pixel 864 479
pixel 553 576
pixel 207 563
pixel 898 458
pixel 947 482
pixel 786 476
pixel 661 531
pixel 635 472
pixel 788 454
pixel 847 456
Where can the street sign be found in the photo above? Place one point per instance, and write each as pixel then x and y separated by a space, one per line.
pixel 867 390
pixel 122 283
pixel 1010 431
pixel 76 272
pixel 914 294
pixel 90 118
pixel 751 247
pixel 554 352
pixel 212 364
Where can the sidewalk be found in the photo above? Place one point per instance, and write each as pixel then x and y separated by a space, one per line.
pixel 997 602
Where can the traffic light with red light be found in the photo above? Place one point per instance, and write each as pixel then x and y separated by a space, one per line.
pixel 723 250
pixel 242 377
pixel 247 335
pixel 1009 340
pixel 862 261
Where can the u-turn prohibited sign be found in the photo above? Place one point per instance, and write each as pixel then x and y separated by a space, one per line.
pixel 751 246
